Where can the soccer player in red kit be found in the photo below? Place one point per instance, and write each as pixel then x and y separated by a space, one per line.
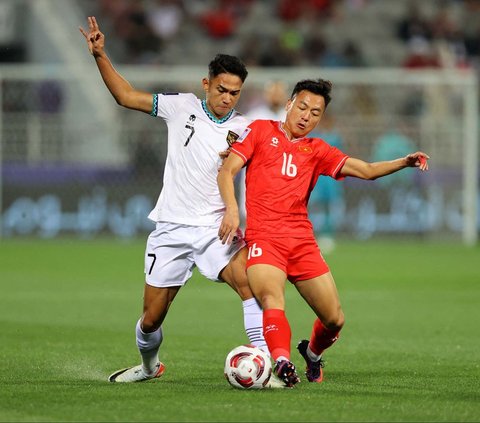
pixel 283 165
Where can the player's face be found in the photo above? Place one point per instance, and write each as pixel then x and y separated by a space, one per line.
pixel 222 93
pixel 304 113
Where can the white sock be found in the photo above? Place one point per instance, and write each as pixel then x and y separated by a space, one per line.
pixel 253 322
pixel 148 344
pixel 281 358
pixel 312 356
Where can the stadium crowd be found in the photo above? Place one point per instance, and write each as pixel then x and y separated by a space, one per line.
pixel 294 32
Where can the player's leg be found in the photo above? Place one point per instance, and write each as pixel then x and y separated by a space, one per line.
pixel 226 263
pixel 235 275
pixel 168 265
pixel 149 335
pixel 310 274
pixel 322 296
pixel 268 285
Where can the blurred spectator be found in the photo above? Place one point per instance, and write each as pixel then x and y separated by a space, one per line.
pixel 319 53
pixel 292 10
pixel 218 23
pixel 472 44
pixel 165 18
pixel 414 25
pixel 421 55
pixel 132 25
pixel 251 49
pixel 276 53
pixel 449 38
pixel 471 27
pixel 273 102
pixel 353 56
pixel 394 143
pixel 287 31
pixel 443 25
pixel 453 51
pixel 221 20
pixel 12 44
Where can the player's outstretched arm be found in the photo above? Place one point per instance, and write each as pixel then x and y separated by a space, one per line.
pixel 231 220
pixel 363 170
pixel 124 94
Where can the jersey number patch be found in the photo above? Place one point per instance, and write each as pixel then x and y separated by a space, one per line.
pixel 288 168
pixel 153 262
pixel 254 251
pixel 192 129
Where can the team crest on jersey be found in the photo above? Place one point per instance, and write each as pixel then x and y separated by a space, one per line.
pixel 305 149
pixel 232 137
pixel 244 135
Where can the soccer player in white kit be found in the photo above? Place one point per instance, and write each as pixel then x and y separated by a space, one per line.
pixel 189 209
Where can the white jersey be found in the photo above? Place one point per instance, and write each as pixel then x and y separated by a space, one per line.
pixel 190 193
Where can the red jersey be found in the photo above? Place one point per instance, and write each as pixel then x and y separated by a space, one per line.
pixel 280 176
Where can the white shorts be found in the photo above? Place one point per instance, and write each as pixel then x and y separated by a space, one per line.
pixel 173 250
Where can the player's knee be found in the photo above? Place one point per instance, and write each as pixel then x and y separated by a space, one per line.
pixel 335 323
pixel 147 325
pixel 150 323
pixel 236 277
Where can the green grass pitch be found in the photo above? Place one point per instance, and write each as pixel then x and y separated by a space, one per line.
pixel 410 349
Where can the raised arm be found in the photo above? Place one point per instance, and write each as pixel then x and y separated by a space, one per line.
pixel 363 170
pixel 231 220
pixel 124 94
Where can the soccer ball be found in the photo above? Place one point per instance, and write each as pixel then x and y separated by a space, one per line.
pixel 248 367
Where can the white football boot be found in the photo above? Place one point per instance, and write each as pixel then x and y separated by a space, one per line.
pixel 136 374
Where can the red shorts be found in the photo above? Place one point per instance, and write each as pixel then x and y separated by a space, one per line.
pixel 299 258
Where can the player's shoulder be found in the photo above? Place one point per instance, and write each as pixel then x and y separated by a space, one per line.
pixel 318 142
pixel 178 97
pixel 240 118
pixel 322 147
pixel 265 122
pixel 264 125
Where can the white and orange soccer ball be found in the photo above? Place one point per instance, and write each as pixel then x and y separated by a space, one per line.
pixel 248 367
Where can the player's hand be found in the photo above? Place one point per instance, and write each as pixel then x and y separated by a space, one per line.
pixel 418 159
pixel 229 226
pixel 224 154
pixel 95 39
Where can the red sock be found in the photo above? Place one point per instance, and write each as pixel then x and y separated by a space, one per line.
pixel 277 333
pixel 322 338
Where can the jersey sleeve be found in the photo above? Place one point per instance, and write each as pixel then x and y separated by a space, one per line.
pixel 166 105
pixel 245 144
pixel 332 162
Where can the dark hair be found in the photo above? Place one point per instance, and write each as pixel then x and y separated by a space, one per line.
pixel 316 86
pixel 223 63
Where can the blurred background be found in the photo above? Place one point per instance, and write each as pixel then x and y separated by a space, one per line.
pixel 73 163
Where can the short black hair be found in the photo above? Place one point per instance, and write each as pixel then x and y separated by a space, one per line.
pixel 223 63
pixel 316 86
